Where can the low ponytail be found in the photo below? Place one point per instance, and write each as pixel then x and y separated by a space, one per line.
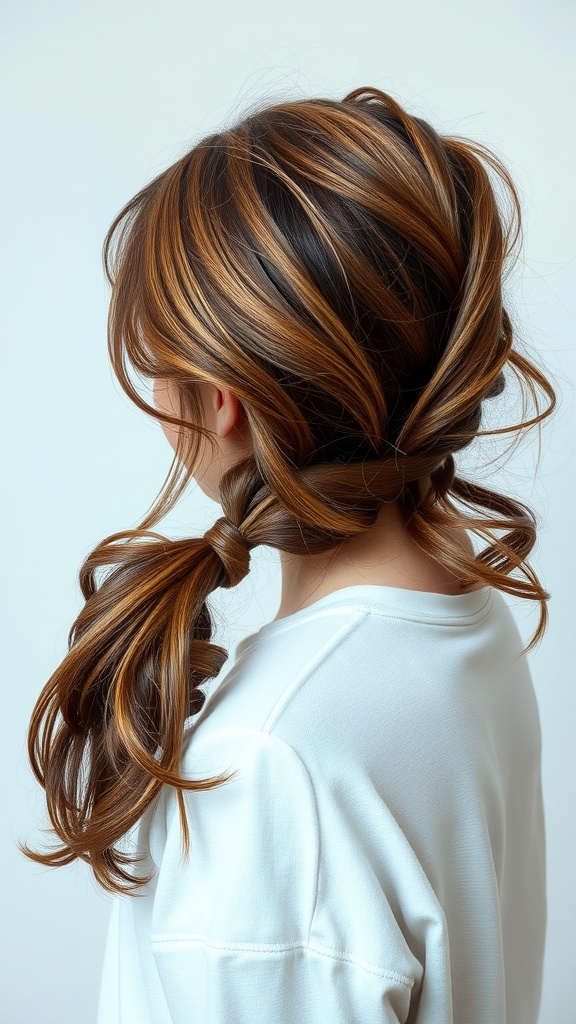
pixel 138 652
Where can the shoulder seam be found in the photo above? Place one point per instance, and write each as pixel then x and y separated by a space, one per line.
pixel 327 648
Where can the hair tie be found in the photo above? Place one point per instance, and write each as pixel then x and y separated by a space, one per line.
pixel 232 547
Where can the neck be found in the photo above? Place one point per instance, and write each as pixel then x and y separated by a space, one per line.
pixel 376 555
pixel 383 555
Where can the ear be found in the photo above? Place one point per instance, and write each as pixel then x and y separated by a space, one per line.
pixel 229 413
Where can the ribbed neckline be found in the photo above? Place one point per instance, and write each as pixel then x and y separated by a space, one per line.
pixel 421 605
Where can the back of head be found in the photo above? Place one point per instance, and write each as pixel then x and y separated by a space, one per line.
pixel 339 266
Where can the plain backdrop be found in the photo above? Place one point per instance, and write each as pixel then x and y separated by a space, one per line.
pixel 96 99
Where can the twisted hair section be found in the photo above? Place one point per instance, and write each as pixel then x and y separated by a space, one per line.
pixel 339 266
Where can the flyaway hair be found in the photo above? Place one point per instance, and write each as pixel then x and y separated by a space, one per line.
pixel 339 266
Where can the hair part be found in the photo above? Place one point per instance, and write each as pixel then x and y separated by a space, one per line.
pixel 339 266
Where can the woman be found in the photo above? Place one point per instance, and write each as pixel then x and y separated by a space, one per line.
pixel 316 295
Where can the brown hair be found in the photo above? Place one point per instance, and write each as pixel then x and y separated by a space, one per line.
pixel 339 266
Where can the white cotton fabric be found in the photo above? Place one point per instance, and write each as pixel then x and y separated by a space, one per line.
pixel 379 856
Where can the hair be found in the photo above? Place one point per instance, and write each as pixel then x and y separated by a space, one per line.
pixel 339 266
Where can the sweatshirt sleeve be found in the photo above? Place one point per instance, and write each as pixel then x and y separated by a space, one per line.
pixel 233 931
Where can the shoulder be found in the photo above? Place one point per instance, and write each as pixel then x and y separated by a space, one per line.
pixel 251 838
pixel 273 854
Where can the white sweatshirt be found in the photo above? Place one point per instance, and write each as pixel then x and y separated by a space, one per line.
pixel 379 856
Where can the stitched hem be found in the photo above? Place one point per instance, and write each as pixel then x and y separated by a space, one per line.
pixel 183 939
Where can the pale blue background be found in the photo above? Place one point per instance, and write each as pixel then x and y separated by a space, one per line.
pixel 97 98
